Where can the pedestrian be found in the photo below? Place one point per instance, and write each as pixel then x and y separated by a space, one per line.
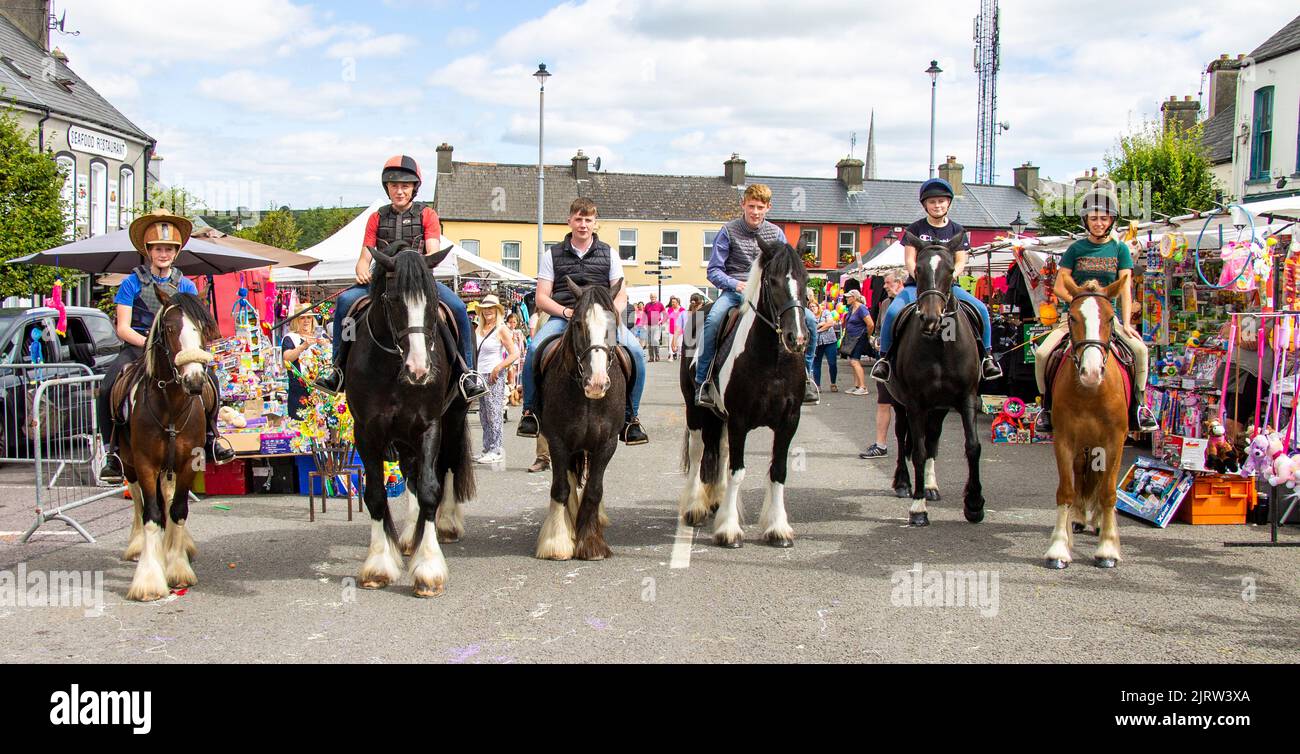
pixel 298 349
pixel 827 341
pixel 884 399
pixel 654 312
pixel 857 324
pixel 496 353
pixel 674 313
pixel 640 329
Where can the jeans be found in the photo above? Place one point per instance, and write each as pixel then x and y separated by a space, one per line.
pixel 708 344
pixel 830 352
pixel 556 326
pixel 445 294
pixel 810 324
pixel 908 295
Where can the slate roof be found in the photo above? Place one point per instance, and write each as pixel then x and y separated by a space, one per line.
pixel 83 103
pixel 1216 135
pixel 491 192
pixel 1287 39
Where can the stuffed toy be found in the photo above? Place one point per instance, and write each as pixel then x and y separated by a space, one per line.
pixel 1259 460
pixel 1220 455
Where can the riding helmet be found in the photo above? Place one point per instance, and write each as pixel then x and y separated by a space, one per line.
pixel 401 169
pixel 936 187
pixel 1100 198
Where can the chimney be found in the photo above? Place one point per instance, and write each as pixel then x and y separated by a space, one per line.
pixel 1084 182
pixel 849 171
pixel 580 166
pixel 59 55
pixel 444 158
pixel 1026 180
pixel 1180 115
pixel 32 17
pixel 734 170
pixel 950 171
pixel 1223 83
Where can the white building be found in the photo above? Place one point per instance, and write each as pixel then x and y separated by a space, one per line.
pixel 1266 135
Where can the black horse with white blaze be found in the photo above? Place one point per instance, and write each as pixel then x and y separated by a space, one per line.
pixel 937 369
pixel 584 392
pixel 760 370
pixel 401 395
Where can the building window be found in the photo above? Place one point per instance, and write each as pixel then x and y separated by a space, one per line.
pixel 709 237
pixel 809 238
pixel 98 198
pixel 848 246
pixel 668 247
pixel 126 192
pixel 1261 142
pixel 510 254
pixel 68 194
pixel 470 245
pixel 627 244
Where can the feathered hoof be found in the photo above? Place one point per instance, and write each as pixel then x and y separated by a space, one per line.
pixel 427 592
pixel 695 517
pixel 918 519
pixel 1104 562
pixel 427 587
pixel 903 491
pixel 729 540
pixel 446 538
pixel 974 515
pixel 779 540
pixel 408 549
pixel 932 495
pixel 134 548
pixel 1056 564
pixel 139 593
pixel 377 576
pixel 180 575
pixel 592 550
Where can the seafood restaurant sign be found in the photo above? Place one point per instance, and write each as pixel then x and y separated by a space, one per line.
pixel 92 142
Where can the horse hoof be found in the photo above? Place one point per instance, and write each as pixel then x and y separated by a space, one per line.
pixel 1104 562
pixel 445 539
pixel 373 584
pixel 918 519
pixel 1078 528
pixel 730 544
pixel 1057 564
pixel 426 592
pixel 932 495
pixel 974 516
pixel 694 518
pixel 780 542
pixel 902 492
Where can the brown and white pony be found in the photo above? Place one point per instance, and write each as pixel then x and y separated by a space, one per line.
pixel 1090 416
pixel 162 449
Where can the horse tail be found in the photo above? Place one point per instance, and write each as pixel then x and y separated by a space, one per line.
pixel 686 449
pixel 463 466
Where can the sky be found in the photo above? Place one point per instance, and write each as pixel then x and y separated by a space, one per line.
pixel 264 103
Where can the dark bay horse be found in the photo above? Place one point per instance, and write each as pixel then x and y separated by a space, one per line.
pixel 402 397
pixel 937 369
pixel 760 368
pixel 1090 422
pixel 583 392
pixel 162 445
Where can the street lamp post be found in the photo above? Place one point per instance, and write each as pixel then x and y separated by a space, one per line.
pixel 541 75
pixel 934 70
pixel 1018 225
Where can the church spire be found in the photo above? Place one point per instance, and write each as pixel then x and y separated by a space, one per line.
pixel 871 149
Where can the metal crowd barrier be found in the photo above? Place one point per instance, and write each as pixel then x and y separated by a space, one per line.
pixel 66 450
pixel 18 384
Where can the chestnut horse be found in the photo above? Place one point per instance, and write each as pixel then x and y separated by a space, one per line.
pixel 1090 415
pixel 162 447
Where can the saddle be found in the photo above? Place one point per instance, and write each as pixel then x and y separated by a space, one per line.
pixel 1122 355
pixel 119 405
pixel 728 327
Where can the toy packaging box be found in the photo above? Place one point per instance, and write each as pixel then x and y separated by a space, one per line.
pixel 1152 491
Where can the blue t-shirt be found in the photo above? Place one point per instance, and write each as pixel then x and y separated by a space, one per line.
pixel 129 290
pixel 923 230
pixel 856 326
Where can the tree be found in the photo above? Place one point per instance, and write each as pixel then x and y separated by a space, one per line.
pixel 175 199
pixel 1056 216
pixel 31 211
pixel 277 229
pixel 321 223
pixel 1172 161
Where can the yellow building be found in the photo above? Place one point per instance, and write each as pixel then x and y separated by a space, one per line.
pixel 491 209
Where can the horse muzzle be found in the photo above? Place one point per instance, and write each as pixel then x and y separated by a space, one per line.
pixel 794 343
pixel 596 387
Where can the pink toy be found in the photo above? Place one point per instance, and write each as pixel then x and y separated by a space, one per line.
pixel 55 301
pixel 1284 470
pixel 1259 460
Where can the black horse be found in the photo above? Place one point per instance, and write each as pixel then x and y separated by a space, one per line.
pixel 402 397
pixel 584 391
pixel 937 368
pixel 760 368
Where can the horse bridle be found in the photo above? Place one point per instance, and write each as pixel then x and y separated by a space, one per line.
pixel 399 335
pixel 1078 347
pixel 172 430
pixel 775 322
pixel 602 346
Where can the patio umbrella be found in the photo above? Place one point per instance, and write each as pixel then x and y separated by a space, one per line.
pixel 113 252
pixel 279 257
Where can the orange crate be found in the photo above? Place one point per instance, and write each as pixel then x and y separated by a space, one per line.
pixel 1218 499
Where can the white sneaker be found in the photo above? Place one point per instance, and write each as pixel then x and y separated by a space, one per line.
pixel 494 457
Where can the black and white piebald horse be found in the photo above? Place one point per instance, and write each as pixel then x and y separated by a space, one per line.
pixel 401 395
pixel 761 370
pixel 584 393
pixel 937 368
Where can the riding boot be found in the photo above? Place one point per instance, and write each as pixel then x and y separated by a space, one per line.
pixel 216 448
pixel 331 381
pixel 989 367
pixel 528 426
pixel 1044 421
pixel 111 473
pixel 811 394
pixel 633 433
pixel 1142 419
pixel 880 371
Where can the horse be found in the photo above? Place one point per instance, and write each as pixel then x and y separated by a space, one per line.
pixel 1090 420
pixel 402 397
pixel 584 393
pixel 760 371
pixel 936 369
pixel 170 395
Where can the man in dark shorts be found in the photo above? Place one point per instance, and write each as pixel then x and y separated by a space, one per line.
pixel 884 400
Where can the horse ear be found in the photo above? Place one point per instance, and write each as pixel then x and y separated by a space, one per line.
pixel 573 286
pixel 163 298
pixel 616 288
pixel 1115 288
pixel 436 258
pixel 381 257
pixel 768 248
pixel 913 240
pixel 957 242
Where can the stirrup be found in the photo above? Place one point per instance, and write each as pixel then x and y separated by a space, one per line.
pixel 472 385
pixel 219 442
pixel 880 371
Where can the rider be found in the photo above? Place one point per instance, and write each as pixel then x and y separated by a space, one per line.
pixel 935 227
pixel 1105 259
pixel 403 220
pixel 735 248
pixel 159 237
pixel 589 261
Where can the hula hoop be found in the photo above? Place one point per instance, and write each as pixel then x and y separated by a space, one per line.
pixel 1249 265
pixel 1014 408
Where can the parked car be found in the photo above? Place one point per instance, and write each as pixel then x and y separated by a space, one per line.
pixel 90 340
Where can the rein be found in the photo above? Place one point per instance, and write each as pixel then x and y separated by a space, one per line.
pixel 171 430
pixel 398 335
pixel 775 322
pixel 581 357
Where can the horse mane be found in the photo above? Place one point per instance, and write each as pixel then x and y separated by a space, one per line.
pixel 782 259
pixel 410 278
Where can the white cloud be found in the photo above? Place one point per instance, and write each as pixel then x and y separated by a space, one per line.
pixel 461 36
pixel 274 95
pixel 364 45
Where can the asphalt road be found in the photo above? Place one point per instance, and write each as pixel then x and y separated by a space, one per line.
pixel 275 588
